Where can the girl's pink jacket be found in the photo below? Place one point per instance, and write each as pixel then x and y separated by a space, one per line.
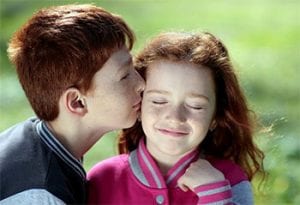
pixel 136 179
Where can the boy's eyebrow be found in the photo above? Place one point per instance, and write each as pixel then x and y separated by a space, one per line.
pixel 124 63
pixel 128 61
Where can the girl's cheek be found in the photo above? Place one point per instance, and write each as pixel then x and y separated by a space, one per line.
pixel 157 110
pixel 152 110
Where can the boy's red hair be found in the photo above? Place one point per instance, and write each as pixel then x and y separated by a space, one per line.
pixel 62 47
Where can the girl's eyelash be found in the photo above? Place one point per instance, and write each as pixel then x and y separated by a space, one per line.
pixel 164 102
pixel 159 102
pixel 195 107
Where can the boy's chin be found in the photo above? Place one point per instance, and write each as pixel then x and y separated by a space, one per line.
pixel 131 122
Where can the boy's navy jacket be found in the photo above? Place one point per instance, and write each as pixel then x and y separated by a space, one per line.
pixel 36 169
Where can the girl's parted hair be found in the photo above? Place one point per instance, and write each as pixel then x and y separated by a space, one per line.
pixel 62 47
pixel 232 137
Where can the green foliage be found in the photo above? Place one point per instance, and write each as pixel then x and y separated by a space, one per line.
pixel 263 38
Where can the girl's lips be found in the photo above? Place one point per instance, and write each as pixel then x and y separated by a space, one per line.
pixel 173 133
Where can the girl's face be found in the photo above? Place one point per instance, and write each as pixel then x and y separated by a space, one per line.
pixel 178 107
pixel 113 101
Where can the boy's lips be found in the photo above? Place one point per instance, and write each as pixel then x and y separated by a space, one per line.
pixel 137 106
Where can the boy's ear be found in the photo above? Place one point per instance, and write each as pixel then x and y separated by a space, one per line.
pixel 74 101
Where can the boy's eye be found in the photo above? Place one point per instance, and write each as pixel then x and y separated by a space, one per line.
pixel 125 76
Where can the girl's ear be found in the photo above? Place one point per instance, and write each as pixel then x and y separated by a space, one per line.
pixel 213 125
pixel 74 101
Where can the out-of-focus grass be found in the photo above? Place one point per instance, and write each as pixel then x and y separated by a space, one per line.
pixel 263 39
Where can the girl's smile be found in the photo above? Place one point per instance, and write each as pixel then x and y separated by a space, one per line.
pixel 173 132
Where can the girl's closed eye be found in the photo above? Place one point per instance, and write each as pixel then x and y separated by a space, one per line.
pixel 159 102
pixel 195 107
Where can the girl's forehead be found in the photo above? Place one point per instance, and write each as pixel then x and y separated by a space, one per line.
pixel 177 69
pixel 179 77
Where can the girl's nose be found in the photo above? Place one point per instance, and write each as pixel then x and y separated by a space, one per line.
pixel 176 114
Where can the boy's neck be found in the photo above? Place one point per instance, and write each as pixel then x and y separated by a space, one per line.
pixel 75 140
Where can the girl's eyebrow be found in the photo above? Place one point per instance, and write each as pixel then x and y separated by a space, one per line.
pixel 164 92
pixel 191 95
pixel 196 95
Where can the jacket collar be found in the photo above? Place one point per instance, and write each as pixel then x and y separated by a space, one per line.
pixel 49 139
pixel 148 173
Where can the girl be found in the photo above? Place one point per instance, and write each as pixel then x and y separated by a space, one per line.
pixel 194 142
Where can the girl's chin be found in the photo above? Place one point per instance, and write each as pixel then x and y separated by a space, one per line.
pixel 177 152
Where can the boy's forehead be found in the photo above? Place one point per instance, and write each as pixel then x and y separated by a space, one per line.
pixel 117 61
pixel 121 57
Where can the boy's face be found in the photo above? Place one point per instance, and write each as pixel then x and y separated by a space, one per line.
pixel 113 101
pixel 178 107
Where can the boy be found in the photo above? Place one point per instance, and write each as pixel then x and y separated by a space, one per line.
pixel 74 65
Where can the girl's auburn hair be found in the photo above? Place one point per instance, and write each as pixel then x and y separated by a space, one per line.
pixel 232 137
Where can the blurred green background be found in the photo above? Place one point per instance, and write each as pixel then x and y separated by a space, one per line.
pixel 263 38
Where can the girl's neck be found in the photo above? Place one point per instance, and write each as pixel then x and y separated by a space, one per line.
pixel 164 167
pixel 165 161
